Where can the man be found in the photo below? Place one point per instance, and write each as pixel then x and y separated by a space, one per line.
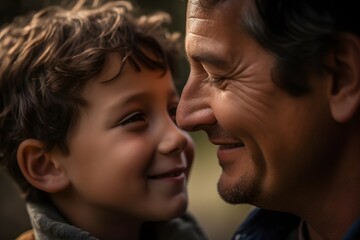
pixel 276 86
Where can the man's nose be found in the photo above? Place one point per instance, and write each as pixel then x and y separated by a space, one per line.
pixel 194 108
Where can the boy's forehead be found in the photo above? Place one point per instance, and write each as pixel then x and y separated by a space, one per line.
pixel 111 67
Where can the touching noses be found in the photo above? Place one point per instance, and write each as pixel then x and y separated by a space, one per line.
pixel 194 109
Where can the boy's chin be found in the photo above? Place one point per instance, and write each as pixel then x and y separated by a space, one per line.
pixel 167 214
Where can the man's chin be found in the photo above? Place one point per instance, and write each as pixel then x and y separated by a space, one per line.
pixel 236 193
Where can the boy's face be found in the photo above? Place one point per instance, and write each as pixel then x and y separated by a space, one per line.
pixel 126 153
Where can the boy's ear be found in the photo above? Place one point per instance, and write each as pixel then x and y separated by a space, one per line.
pixel 39 168
pixel 345 86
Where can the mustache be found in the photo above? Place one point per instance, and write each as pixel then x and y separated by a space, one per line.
pixel 217 132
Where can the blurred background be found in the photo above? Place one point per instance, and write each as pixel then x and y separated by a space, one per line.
pixel 217 218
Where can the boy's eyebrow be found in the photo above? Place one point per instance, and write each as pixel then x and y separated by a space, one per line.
pixel 172 94
pixel 123 101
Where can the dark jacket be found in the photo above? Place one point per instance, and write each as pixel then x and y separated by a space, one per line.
pixel 263 224
pixel 48 224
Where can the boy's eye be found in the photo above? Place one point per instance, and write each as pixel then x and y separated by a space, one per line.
pixel 133 118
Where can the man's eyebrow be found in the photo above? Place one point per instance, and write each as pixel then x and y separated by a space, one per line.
pixel 208 58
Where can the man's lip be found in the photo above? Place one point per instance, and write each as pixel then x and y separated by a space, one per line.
pixel 230 146
pixel 227 153
pixel 225 144
pixel 173 173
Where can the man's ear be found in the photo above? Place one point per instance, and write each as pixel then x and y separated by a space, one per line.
pixel 39 168
pixel 345 87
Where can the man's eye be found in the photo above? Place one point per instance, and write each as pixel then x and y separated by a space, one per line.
pixel 215 80
pixel 132 118
pixel 219 82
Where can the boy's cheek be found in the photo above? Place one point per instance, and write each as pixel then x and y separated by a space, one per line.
pixel 189 155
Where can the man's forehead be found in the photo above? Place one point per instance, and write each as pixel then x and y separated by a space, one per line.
pixel 205 3
pixel 202 6
pixel 222 7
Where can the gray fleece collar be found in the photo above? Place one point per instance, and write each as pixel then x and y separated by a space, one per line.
pixel 48 224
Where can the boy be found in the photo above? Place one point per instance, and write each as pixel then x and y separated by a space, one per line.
pixel 87 124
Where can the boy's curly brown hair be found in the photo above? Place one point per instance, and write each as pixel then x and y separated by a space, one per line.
pixel 47 57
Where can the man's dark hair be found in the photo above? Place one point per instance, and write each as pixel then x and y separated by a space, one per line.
pixel 299 33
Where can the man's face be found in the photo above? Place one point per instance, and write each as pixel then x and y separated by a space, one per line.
pixel 126 154
pixel 271 145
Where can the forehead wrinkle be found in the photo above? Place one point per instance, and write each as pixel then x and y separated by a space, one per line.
pixel 196 24
pixel 201 28
pixel 197 50
pixel 205 4
pixel 224 8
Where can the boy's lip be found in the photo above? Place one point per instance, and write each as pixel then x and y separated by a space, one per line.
pixel 171 173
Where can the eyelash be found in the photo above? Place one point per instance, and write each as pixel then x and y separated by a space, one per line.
pixel 134 117
pixel 215 80
pixel 138 116
pixel 218 82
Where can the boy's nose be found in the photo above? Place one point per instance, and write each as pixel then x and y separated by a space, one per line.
pixel 174 140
